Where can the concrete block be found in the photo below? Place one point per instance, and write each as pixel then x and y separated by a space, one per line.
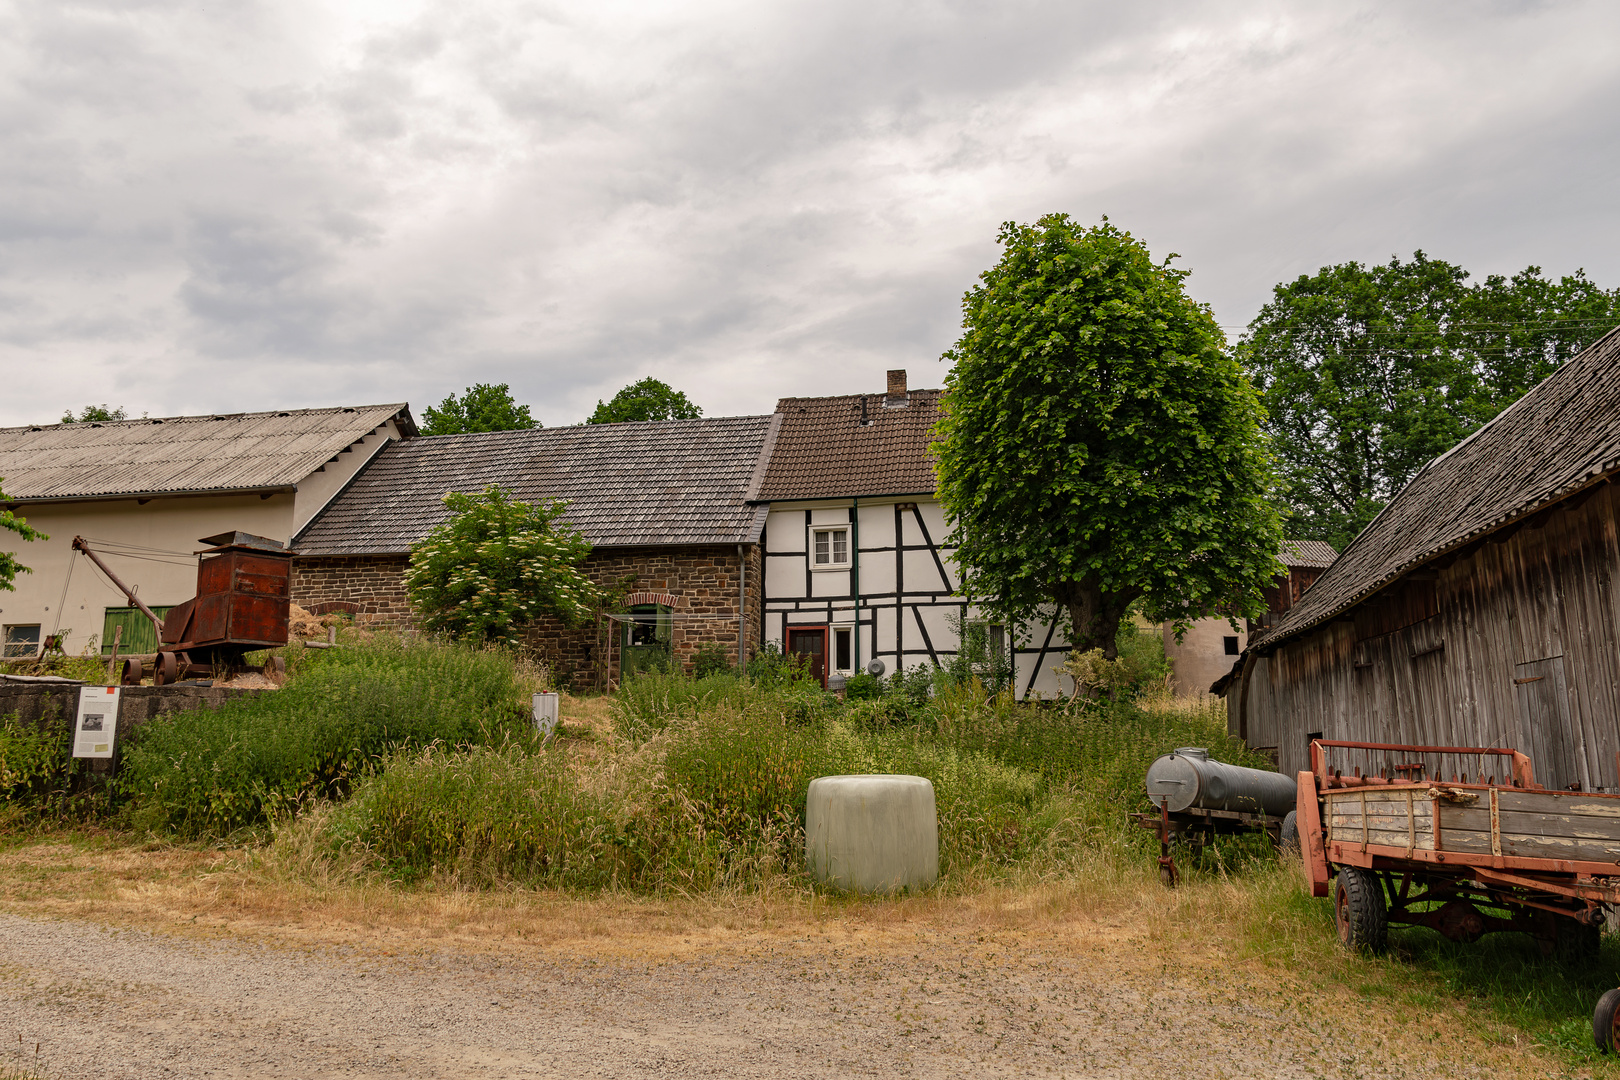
pixel 872 834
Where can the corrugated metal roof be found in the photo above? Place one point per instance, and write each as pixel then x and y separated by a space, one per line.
pixel 1559 438
pixel 238 452
pixel 825 451
pixel 628 485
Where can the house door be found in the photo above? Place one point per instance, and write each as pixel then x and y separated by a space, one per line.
pixel 811 643
pixel 1544 723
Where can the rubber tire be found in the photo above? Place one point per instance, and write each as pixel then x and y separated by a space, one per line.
pixel 1288 836
pixel 1360 911
pixel 1577 945
pixel 1603 1020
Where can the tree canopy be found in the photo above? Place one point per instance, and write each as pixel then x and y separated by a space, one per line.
pixel 1369 372
pixel 482 408
pixel 648 399
pixel 94 414
pixel 1099 446
pixel 9 566
pixel 498 564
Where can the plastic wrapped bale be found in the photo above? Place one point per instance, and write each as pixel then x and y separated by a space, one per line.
pixel 872 834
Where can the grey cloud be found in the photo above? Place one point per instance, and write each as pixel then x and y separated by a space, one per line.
pixel 293 205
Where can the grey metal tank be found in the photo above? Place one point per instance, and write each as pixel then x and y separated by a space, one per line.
pixel 1185 778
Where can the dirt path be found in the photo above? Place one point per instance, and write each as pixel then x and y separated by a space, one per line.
pixel 110 1003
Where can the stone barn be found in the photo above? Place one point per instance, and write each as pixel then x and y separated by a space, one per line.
pixel 664 503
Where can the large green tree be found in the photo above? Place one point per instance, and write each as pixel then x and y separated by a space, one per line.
pixel 1369 372
pixel 9 566
pixel 483 407
pixel 648 399
pixel 498 564
pixel 1099 446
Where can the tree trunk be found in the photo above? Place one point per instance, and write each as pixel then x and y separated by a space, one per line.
pixel 1095 614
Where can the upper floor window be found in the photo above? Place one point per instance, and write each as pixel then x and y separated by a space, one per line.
pixel 829 547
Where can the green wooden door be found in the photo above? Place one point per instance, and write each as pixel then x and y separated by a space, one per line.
pixel 139 636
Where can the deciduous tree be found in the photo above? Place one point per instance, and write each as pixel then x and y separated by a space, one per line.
pixel 482 408
pixel 92 414
pixel 1099 445
pixel 1369 372
pixel 9 566
pixel 498 564
pixel 648 399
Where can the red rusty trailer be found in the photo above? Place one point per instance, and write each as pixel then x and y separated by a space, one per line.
pixel 1396 843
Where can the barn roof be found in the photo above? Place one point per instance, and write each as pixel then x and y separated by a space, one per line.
pixel 1308 554
pixel 1562 436
pixel 182 454
pixel 851 446
pixel 629 485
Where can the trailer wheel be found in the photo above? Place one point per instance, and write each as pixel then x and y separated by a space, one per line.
pixel 1288 839
pixel 1604 1019
pixel 1360 911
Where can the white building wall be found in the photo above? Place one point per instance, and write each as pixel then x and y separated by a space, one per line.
pixel 915 627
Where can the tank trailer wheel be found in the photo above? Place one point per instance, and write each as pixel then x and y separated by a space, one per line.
pixel 1360 911
pixel 1288 839
pixel 166 669
pixel 1605 1019
pixel 275 667
pixel 133 672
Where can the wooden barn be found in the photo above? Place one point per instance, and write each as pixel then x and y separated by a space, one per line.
pixel 1478 609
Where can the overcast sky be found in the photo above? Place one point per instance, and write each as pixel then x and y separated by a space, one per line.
pixel 248 205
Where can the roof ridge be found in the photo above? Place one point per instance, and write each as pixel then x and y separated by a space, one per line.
pixel 208 417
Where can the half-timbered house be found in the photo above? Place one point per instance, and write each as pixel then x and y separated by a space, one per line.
pixel 1480 607
pixel 855 564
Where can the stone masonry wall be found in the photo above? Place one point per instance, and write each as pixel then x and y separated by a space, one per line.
pixel 371 587
pixel 700 583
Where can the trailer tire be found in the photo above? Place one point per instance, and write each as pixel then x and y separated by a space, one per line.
pixel 1604 1019
pixel 1288 838
pixel 1360 911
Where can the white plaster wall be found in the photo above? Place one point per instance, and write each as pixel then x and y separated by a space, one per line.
pixel 829 582
pixel 784 531
pixel 172 525
pixel 784 576
pixel 877 525
pixel 922 575
pixel 320 487
pixel 1200 657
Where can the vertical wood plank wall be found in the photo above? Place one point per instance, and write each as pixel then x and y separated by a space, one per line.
pixel 1433 657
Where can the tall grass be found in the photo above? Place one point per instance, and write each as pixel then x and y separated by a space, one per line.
pixel 703 783
pixel 211 772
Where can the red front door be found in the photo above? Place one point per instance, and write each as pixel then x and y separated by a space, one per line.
pixel 810 642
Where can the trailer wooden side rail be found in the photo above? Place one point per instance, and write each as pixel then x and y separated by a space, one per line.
pixel 1394 841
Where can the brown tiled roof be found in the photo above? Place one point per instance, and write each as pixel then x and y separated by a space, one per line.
pixel 1559 438
pixel 235 452
pixel 1309 554
pixel 824 451
pixel 673 482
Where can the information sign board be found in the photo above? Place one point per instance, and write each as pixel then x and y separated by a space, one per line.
pixel 97 725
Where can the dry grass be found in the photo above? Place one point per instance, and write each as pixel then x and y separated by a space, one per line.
pixel 1239 936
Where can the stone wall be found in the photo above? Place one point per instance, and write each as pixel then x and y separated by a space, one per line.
pixel 699 582
pixel 370 587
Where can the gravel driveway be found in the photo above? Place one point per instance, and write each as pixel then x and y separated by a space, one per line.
pixel 111 1003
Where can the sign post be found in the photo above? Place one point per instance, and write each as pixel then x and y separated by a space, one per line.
pixel 97 726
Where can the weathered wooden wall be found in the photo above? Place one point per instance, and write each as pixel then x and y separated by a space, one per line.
pixel 1513 641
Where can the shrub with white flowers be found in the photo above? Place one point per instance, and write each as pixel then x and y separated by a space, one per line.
pixel 498 564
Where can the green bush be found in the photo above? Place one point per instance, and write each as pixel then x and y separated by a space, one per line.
pixel 711 658
pixel 211 772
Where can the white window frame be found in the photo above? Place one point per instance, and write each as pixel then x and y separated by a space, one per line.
pixel 832 648
pixel 832 547
pixel 9 645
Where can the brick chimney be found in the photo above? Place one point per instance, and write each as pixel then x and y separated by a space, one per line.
pixel 897 396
